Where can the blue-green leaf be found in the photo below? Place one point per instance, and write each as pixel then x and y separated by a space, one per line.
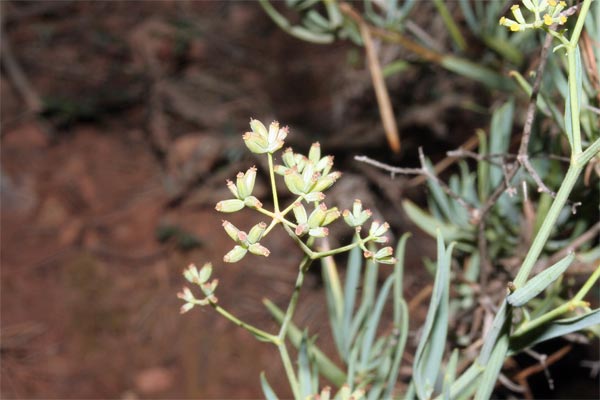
pixel 266 388
pixel 539 283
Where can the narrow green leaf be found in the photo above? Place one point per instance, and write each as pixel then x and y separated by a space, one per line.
pixel 373 321
pixel 477 73
pixel 539 283
pixel 350 291
pixel 494 333
pixel 266 388
pixel 428 223
pixel 430 350
pixel 554 329
pixel 450 374
pixel 335 301
pixel 304 370
pixel 399 350
pixel 500 130
pixel 493 367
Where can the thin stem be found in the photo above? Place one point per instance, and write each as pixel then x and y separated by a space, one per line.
pixel 289 369
pixel 549 223
pixel 289 313
pixel 342 249
pixel 574 100
pixel 587 155
pixel 250 328
pixel 273 183
pixel 587 286
pixel 580 21
pixel 307 250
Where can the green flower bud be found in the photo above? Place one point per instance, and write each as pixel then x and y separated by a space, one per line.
pixel 205 273
pixel 191 274
pixel 259 250
pixel 245 183
pixel 317 217
pixel 325 182
pixel 209 287
pixel 252 202
pixel 301 162
pixel 314 154
pixel 324 165
pixel 314 196
pixel 330 216
pixel 300 213
pixel 319 232
pixel 293 181
pixel 258 128
pixel 231 230
pixel 301 229
pixel 280 169
pixel 385 256
pixel 358 216
pixel 255 143
pixel 288 158
pixel 378 229
pixel 233 189
pixel 186 295
pixel 235 254
pixel 256 232
pixel 229 206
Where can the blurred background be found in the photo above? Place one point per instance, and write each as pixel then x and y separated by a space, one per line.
pixel 120 123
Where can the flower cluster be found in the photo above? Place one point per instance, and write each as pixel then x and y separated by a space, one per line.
pixel 545 13
pixel 307 176
pixel 246 242
pixel 261 141
pixel 200 278
pixel 242 190
pixel 314 224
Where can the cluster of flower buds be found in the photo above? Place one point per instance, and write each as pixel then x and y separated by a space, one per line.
pixel 545 12
pixel 307 176
pixel 246 242
pixel 200 278
pixel 315 223
pixel 261 140
pixel 358 216
pixel 242 190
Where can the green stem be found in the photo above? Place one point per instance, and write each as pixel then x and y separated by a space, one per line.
pixel 291 309
pixel 273 183
pixel 289 369
pixel 250 328
pixel 348 247
pixel 574 99
pixel 549 223
pixel 587 155
pixel 579 24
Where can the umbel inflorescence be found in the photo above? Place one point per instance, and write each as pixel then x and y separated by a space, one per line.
pixel 305 218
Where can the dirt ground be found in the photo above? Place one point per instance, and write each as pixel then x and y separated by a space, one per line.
pixel 114 153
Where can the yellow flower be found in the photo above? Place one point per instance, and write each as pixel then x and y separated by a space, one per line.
pixel 548 20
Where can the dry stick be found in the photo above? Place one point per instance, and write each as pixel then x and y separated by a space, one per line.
pixel 512 170
pixel 442 165
pixel 383 99
pixel 472 210
pixel 522 376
